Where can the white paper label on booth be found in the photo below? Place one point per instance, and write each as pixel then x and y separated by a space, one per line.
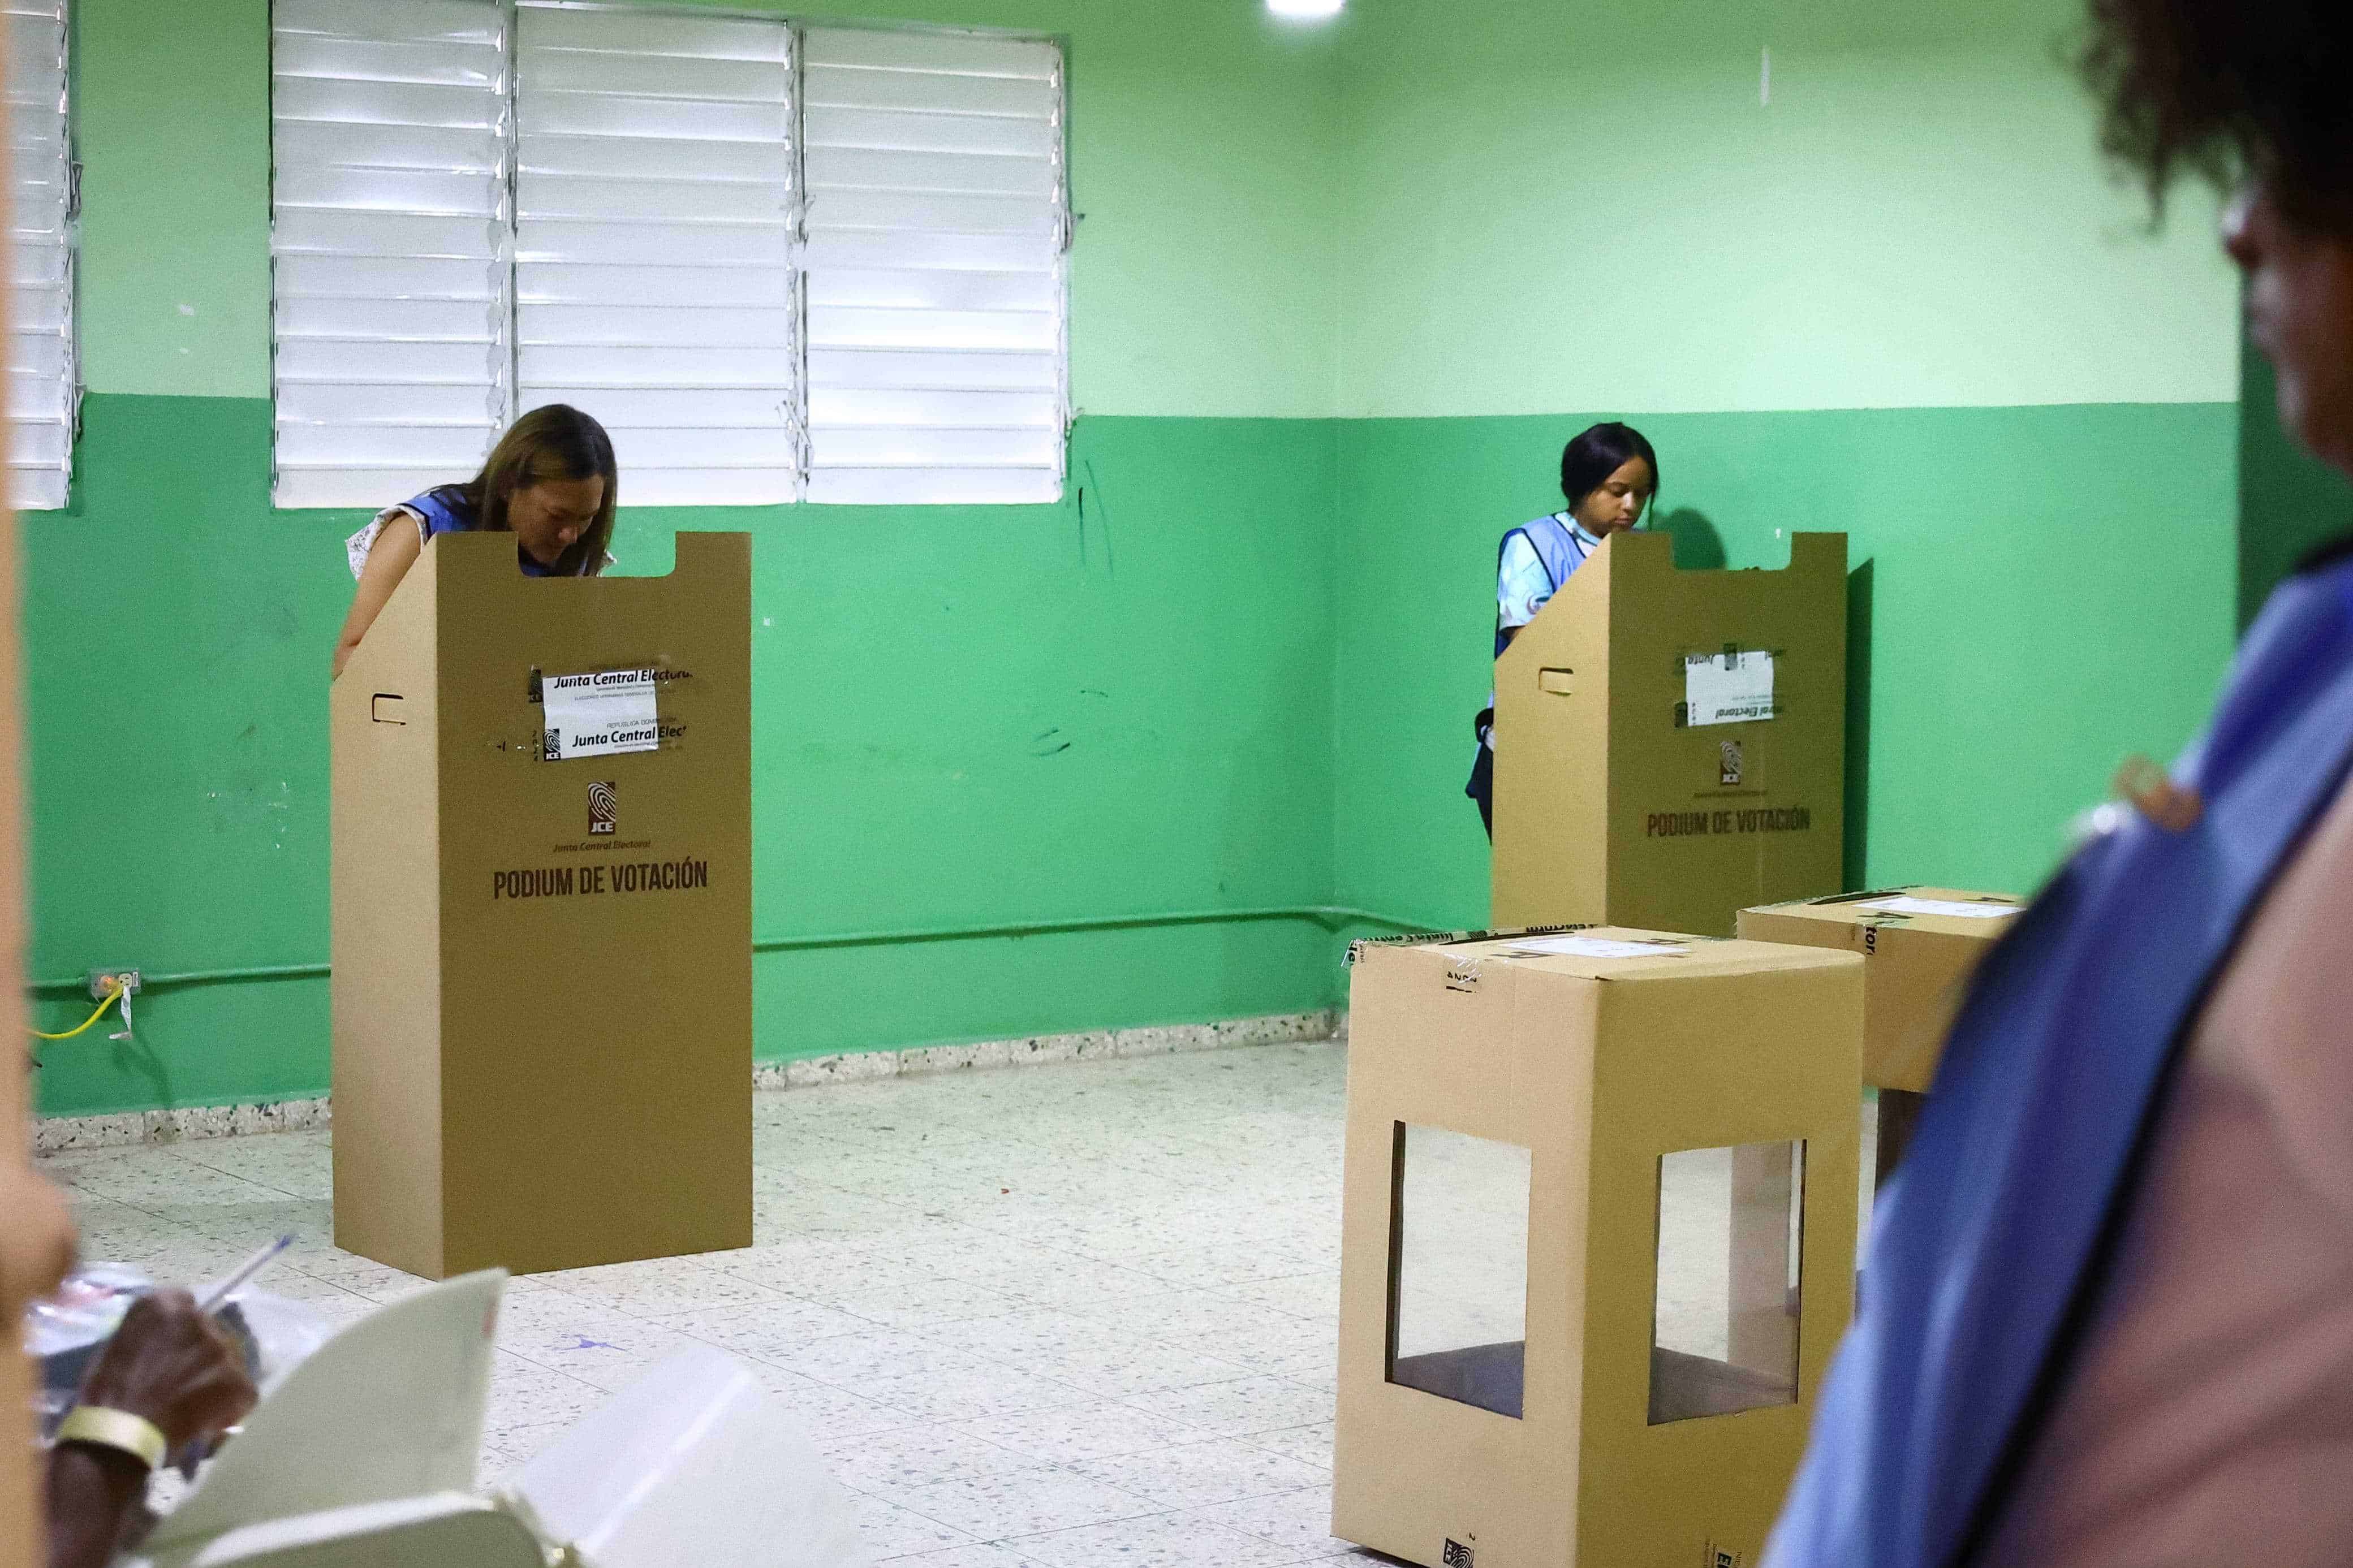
pixel 1953 907
pixel 599 715
pixel 1596 947
pixel 1727 688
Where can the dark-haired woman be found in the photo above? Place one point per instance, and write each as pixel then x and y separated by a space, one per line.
pixel 549 482
pixel 1607 475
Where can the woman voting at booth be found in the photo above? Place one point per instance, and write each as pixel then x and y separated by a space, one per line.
pixel 1607 475
pixel 549 482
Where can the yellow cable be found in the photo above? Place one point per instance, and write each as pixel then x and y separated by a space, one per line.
pixel 111 997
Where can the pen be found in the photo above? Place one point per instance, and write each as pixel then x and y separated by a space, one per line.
pixel 252 1266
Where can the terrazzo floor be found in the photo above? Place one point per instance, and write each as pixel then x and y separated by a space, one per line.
pixel 1069 1316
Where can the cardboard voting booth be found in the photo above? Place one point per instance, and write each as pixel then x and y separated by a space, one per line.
pixel 1670 745
pixel 1597 1243
pixel 1923 944
pixel 542 908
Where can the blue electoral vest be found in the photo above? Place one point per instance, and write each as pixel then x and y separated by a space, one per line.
pixel 446 511
pixel 1990 1244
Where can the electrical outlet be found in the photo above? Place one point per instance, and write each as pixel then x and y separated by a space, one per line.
pixel 104 982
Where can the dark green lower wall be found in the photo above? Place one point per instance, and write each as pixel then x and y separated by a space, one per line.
pixel 2046 589
pixel 2290 502
pixel 962 718
pixel 1205 688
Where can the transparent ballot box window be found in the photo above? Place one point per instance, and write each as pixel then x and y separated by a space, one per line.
pixel 1459 1268
pixel 1725 1330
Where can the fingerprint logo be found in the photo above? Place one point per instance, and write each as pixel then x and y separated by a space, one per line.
pixel 1728 769
pixel 602 812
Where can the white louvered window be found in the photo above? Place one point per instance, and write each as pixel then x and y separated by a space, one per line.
pixel 775 264
pixel 937 224
pixel 390 245
pixel 43 379
pixel 654 244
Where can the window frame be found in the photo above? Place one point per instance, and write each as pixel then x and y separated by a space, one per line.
pixel 69 284
pixel 798 394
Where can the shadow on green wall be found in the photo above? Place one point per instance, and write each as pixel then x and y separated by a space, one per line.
pixel 1858 724
pixel 2289 500
pixel 1698 546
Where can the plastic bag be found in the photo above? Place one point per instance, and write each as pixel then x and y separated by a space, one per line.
pixel 67 1332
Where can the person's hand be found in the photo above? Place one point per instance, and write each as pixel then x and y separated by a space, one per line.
pixel 173 1365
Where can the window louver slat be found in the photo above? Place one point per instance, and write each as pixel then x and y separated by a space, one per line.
pixel 481 206
pixel 654 245
pixel 44 375
pixel 390 245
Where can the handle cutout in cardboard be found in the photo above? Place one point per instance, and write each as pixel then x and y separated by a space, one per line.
pixel 1559 682
pixel 388 708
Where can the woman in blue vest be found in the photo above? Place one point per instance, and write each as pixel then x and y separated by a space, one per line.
pixel 2107 1307
pixel 1607 475
pixel 549 482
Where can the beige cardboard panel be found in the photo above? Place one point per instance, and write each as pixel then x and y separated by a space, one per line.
pixel 1551 757
pixel 1709 1063
pixel 1506 1061
pixel 594 1035
pixel 1606 1064
pixel 1918 971
pixel 386 934
pixel 625 1014
pixel 1606 810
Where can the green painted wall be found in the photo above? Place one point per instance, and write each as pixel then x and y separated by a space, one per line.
pixel 1332 290
pixel 2290 502
pixel 2049 591
pixel 1896 295
pixel 1203 145
pixel 1067 719
pixel 1084 718
pixel 1561 208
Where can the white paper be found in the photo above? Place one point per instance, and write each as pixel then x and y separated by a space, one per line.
pixel 1596 947
pixel 599 714
pixel 1944 907
pixel 1727 689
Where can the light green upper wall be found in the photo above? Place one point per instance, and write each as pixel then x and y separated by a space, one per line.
pixel 1401 214
pixel 170 114
pixel 1568 209
pixel 1203 140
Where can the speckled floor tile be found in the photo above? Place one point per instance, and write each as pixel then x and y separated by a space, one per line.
pixel 1154 1541
pixel 1063 1435
pixel 1066 1317
pixel 1298 1522
pixel 1026 1502
pixel 1241 1407
pixel 890 1531
pixel 1193 1475
pixel 973 1556
pixel 1308 1444
pixel 921 1456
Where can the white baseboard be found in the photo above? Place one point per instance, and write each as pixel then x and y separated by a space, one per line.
pixel 57 1135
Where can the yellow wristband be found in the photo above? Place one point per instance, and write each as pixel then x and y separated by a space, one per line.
pixel 133 1435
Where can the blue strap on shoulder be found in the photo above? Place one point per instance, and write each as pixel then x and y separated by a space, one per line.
pixel 443 512
pixel 1987 1245
pixel 446 512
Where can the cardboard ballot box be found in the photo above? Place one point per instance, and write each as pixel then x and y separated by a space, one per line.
pixel 541 910
pixel 1923 944
pixel 1597 1243
pixel 1670 745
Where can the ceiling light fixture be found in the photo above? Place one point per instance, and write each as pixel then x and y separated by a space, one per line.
pixel 1305 10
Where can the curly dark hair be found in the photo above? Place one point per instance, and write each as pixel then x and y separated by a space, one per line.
pixel 2231 90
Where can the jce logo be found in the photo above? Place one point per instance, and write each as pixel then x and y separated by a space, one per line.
pixel 602 811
